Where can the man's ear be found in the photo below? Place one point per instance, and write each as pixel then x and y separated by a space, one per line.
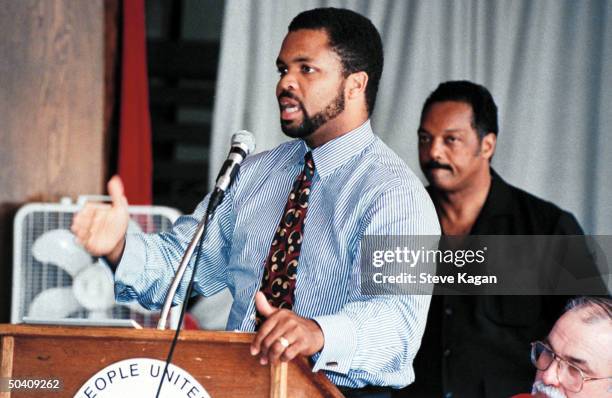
pixel 487 145
pixel 356 84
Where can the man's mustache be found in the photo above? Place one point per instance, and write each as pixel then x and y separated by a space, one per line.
pixel 288 94
pixel 432 164
pixel 546 390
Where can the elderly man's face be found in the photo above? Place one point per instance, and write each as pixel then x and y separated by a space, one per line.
pixel 451 154
pixel 587 346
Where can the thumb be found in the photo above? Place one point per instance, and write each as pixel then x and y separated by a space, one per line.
pixel 116 191
pixel 262 305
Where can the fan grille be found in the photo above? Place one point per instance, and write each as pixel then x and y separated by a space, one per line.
pixel 31 277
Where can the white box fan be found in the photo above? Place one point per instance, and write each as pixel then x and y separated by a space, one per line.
pixel 55 278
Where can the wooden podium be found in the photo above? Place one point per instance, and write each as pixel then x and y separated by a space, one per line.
pixel 219 361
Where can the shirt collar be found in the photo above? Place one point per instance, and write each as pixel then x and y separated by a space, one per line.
pixel 498 202
pixel 335 153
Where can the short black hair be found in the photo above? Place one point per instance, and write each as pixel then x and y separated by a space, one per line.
pixel 484 110
pixel 354 38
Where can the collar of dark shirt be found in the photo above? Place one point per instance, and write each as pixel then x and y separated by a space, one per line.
pixel 497 204
pixel 335 153
pixel 499 199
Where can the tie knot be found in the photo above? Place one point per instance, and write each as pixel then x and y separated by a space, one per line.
pixel 309 162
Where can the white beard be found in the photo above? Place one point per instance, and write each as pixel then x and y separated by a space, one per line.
pixel 548 391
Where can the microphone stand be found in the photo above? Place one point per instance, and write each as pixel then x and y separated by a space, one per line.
pixel 242 145
pixel 215 199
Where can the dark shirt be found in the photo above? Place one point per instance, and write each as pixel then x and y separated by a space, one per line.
pixel 478 346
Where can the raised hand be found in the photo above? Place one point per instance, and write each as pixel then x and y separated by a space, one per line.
pixel 101 227
pixel 284 335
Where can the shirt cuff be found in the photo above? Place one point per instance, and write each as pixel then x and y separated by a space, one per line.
pixel 130 269
pixel 340 343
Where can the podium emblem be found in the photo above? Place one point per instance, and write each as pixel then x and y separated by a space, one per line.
pixel 140 377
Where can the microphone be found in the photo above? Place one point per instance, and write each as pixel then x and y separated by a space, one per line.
pixel 243 144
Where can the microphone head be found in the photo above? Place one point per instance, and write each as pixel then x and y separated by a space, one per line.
pixel 244 139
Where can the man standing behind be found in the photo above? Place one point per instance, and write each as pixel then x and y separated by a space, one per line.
pixel 477 346
pixel 286 240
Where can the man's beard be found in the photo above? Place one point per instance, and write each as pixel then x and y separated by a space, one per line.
pixel 548 391
pixel 311 124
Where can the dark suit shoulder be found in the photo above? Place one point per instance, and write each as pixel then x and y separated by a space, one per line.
pixel 545 217
pixel 509 210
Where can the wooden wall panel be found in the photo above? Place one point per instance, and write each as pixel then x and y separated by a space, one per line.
pixel 51 109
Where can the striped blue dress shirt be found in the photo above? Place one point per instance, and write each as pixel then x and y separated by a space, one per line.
pixel 360 187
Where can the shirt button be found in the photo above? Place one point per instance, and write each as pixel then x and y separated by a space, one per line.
pixel 331 364
pixel 447 352
pixel 252 317
pixel 448 311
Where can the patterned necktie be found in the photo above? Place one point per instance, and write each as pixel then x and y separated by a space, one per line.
pixel 280 270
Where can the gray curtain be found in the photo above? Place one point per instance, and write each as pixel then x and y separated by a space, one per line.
pixel 547 63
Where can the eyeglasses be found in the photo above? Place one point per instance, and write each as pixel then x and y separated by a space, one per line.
pixel 570 376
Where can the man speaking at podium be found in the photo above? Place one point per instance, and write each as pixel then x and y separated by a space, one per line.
pixel 298 283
